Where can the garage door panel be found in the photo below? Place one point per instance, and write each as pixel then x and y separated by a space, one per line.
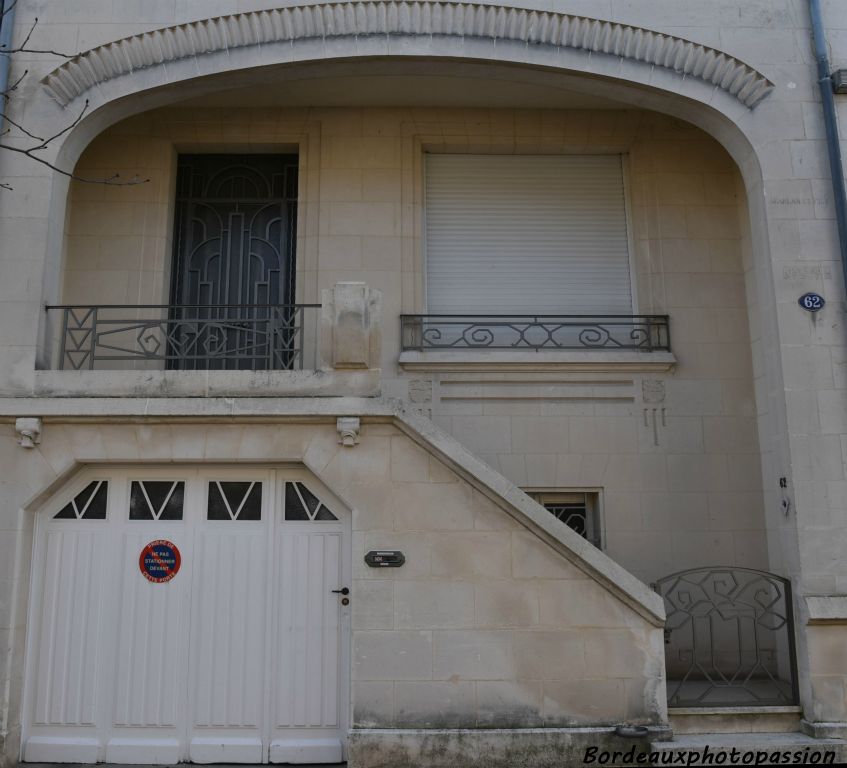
pixel 235 657
pixel 148 680
pixel 228 646
pixel 307 680
pixel 69 649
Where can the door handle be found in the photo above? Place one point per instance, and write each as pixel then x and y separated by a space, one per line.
pixel 342 591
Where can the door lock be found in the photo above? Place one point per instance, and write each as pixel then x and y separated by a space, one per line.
pixel 342 591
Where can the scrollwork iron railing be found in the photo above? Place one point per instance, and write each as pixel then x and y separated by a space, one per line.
pixel 183 337
pixel 729 638
pixel 644 333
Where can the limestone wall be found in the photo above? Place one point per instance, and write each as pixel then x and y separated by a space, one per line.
pixel 799 360
pixel 485 624
pixel 675 455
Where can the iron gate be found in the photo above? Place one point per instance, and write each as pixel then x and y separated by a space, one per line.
pixel 729 638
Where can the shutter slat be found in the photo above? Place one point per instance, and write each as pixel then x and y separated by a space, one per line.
pixel 526 234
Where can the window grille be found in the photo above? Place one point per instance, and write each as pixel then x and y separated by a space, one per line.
pixel 579 510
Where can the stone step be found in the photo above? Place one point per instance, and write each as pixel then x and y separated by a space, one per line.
pixel 734 720
pixel 802 749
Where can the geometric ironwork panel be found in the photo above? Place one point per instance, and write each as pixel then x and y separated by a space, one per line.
pixel 234 243
pixel 573 515
pixel 729 638
pixel 248 336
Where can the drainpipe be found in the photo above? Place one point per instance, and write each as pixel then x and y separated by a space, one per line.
pixel 831 122
pixel 7 24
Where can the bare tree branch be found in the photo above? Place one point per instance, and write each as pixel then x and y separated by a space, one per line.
pixel 29 34
pixel 112 181
pixel 9 120
pixel 14 86
pixel 22 48
pixel 6 96
pixel 67 128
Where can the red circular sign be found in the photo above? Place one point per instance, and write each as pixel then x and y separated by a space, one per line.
pixel 159 561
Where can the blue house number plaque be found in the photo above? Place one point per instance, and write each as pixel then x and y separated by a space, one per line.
pixel 811 302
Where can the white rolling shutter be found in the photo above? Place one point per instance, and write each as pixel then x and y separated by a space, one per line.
pixel 526 234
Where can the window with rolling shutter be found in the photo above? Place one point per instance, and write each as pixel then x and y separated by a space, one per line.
pixel 539 234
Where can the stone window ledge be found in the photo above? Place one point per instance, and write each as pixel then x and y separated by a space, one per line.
pixel 543 360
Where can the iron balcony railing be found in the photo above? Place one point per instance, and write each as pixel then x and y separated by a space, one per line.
pixel 645 333
pixel 185 336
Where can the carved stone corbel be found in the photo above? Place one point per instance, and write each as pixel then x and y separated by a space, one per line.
pixel 348 430
pixel 29 431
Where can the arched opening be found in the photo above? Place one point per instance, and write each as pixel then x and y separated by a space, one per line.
pixel 667 455
pixel 684 480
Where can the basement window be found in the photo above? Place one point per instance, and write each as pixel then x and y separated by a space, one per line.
pixel 579 510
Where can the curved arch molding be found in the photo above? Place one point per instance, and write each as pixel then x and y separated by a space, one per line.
pixel 392 18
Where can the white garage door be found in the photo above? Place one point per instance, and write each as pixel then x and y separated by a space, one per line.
pixel 189 615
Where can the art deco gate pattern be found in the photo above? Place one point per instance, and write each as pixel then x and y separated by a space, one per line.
pixel 729 638
pixel 234 260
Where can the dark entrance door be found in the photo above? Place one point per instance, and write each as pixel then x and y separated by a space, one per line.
pixel 234 263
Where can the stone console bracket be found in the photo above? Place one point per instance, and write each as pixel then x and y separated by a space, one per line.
pixel 28 430
pixel 348 430
pixel 351 326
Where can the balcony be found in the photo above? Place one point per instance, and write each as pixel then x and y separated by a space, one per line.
pixel 227 350
pixel 186 337
pixel 500 342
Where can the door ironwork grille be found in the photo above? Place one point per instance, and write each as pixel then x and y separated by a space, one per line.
pixel 729 638
pixel 234 254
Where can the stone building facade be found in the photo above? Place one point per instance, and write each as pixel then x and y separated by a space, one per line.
pixel 606 518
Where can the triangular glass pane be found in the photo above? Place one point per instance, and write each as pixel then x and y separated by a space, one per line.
pixel 139 509
pixel 252 507
pixel 325 514
pixel 294 509
pixel 96 509
pixel 90 501
pixel 311 500
pixel 173 505
pixel 235 493
pixel 158 492
pixel 66 513
pixel 217 509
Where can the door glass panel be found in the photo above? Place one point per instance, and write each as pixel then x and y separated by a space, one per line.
pixel 235 501
pixel 302 504
pixel 156 500
pixel 88 504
